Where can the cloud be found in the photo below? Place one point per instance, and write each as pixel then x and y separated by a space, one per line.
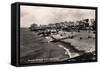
pixel 46 15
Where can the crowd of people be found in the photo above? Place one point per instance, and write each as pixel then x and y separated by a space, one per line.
pixel 64 29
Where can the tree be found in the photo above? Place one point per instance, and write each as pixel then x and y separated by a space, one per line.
pixel 33 27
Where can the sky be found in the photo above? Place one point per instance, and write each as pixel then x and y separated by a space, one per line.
pixel 46 15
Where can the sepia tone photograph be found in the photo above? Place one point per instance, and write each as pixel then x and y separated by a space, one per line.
pixel 56 34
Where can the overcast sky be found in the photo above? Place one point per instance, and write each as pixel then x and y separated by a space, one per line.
pixel 46 15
